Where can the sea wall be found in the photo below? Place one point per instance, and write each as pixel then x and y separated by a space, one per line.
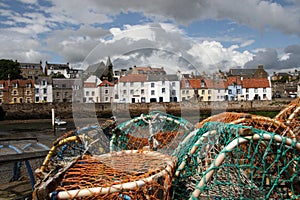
pixel 69 110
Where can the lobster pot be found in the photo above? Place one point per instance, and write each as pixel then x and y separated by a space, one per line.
pixel 131 174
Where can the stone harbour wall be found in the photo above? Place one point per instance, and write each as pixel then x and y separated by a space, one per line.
pixel 105 110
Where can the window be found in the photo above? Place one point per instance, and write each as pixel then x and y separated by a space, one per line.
pixel 152 92
pixel 105 91
pixel 202 83
pixel 15 100
pixel 36 90
pixel 27 92
pixel 45 91
pixel 116 96
pixel 264 89
pixel 44 82
pixel 229 91
pixel 87 93
pixel 63 86
pixel 163 82
pixel 15 92
pixel 124 91
pixel 45 98
pixel 202 91
pixel 15 85
pixel 28 100
pixel 66 94
pixel 173 84
pixel 93 93
pixel 255 90
pixel 131 91
pixel 57 94
pixel 163 90
pixel 28 85
pixel 142 91
pixel 247 90
pixel 219 91
pixel 142 84
pixel 131 84
pixel 209 98
pixel 106 99
pixel 1 93
pixel 238 91
pixel 152 85
pixel 173 92
pixel 209 91
pixel 1 101
pixel 1 85
pixel 183 91
pixel 124 83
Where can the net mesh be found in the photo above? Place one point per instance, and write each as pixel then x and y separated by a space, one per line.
pixel 160 156
pixel 261 165
pixel 125 174
pixel 156 131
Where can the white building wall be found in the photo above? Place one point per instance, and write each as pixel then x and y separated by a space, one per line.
pixel 252 92
pixel 218 94
pixel 45 92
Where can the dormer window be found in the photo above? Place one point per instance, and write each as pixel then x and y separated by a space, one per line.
pixel 15 85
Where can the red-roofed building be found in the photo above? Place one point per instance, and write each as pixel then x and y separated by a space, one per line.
pixel 106 91
pixel 190 89
pixel 16 91
pixel 146 88
pixel 147 70
pixel 256 89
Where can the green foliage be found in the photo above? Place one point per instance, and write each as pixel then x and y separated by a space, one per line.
pixel 9 68
pixel 58 76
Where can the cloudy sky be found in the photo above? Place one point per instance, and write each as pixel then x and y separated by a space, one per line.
pixel 191 35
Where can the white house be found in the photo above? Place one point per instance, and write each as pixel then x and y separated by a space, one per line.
pixel 43 89
pixel 91 94
pixel 146 88
pixel 218 88
pixel 256 89
pixel 106 91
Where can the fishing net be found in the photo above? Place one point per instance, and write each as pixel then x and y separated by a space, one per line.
pixel 267 124
pixel 156 131
pixel 225 117
pixel 286 113
pixel 290 116
pixel 132 174
pixel 227 161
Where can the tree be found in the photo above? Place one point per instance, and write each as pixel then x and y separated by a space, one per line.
pixel 10 68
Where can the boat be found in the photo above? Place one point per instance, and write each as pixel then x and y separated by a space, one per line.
pixel 58 121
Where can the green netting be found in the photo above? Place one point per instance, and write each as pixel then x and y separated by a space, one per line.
pixel 156 130
pixel 225 161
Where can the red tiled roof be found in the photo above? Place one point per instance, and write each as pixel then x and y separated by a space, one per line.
pixel 133 78
pixel 89 84
pixel 234 79
pixel 104 82
pixel 149 69
pixel 218 84
pixel 256 83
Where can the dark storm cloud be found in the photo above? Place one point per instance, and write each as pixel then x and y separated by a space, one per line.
pixel 271 61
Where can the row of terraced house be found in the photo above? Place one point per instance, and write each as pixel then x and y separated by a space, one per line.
pixel 100 84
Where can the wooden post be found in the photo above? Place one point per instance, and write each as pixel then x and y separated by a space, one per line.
pixel 53 119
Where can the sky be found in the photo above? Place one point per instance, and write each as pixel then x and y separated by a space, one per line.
pixel 200 36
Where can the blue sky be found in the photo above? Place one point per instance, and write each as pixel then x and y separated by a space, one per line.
pixel 208 35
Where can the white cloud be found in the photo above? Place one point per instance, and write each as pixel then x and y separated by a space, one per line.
pixel 161 45
pixel 29 1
